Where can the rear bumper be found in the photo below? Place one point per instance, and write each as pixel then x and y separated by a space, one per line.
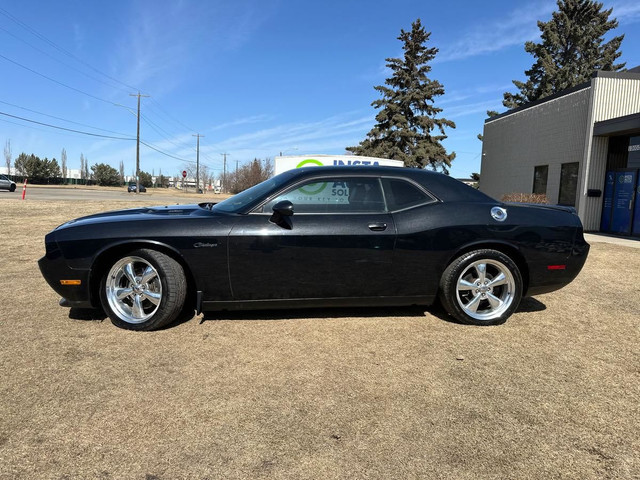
pixel 544 278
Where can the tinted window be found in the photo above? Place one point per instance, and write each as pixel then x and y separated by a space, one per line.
pixel 242 200
pixel 401 194
pixel 334 195
pixel 540 175
pixel 568 184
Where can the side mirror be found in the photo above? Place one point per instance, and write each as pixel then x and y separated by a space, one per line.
pixel 284 208
pixel 281 213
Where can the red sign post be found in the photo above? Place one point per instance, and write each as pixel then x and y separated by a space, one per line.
pixel 184 174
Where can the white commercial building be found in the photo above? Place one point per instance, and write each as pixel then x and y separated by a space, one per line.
pixel 282 164
pixel 580 147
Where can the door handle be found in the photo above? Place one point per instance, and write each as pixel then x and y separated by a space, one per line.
pixel 377 227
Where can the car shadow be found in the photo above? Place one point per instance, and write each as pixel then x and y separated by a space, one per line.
pixel 527 305
pixel 530 305
pixel 87 314
pixel 96 314
pixel 306 313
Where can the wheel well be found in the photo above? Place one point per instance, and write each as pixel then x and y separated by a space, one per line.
pixel 102 263
pixel 508 250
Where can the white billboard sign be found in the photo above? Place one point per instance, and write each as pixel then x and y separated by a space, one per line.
pixel 282 164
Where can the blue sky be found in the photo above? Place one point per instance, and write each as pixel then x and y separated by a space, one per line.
pixel 254 77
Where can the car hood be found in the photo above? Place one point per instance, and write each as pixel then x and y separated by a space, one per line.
pixel 138 214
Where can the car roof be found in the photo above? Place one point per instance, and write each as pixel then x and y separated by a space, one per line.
pixel 442 186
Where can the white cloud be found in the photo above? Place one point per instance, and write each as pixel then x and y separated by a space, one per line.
pixel 325 136
pixel 242 121
pixel 626 12
pixel 517 27
pixel 163 42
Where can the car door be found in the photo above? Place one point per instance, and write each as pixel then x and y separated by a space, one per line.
pixel 416 256
pixel 4 183
pixel 338 243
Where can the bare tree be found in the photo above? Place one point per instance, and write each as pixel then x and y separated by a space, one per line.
pixel 205 176
pixel 63 161
pixel 7 156
pixel 249 175
pixel 121 172
pixel 83 164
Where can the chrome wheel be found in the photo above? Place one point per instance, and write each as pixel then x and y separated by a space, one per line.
pixel 485 289
pixel 133 289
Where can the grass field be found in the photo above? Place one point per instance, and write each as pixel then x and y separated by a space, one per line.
pixel 350 393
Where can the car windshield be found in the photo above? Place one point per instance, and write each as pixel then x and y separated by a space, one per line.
pixel 242 200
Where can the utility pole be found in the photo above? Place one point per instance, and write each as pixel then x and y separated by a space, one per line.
pixel 138 143
pixel 197 135
pixel 224 172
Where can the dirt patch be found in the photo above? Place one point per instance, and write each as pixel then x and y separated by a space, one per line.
pixel 346 393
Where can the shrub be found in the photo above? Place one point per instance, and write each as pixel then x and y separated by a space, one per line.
pixel 525 198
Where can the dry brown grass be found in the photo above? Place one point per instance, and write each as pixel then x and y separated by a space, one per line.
pixel 553 393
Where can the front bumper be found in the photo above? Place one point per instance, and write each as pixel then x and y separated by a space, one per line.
pixel 56 270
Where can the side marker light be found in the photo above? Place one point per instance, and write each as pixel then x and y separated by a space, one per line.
pixel 70 282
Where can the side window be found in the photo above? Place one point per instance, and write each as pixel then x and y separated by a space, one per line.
pixel 401 194
pixel 334 195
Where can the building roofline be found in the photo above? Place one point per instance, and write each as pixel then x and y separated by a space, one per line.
pixel 632 74
pixel 555 96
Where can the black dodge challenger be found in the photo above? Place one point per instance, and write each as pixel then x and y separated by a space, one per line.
pixel 318 236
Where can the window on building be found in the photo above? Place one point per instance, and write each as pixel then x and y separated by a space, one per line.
pixel 568 184
pixel 540 174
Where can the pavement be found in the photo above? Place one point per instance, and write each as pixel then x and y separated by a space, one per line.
pixel 633 242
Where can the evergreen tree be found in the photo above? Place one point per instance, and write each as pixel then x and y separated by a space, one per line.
pixel 145 179
pixel 38 170
pixel 407 117
pixel 105 175
pixel 572 48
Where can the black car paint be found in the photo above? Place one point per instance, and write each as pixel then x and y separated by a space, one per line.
pixel 243 260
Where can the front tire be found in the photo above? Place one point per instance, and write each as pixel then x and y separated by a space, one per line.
pixel 143 290
pixel 12 188
pixel 482 287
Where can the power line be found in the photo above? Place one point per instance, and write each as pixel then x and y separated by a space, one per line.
pixel 169 155
pixel 63 128
pixel 159 130
pixel 60 118
pixel 171 117
pixel 62 84
pixel 22 125
pixel 60 61
pixel 59 48
pixel 41 37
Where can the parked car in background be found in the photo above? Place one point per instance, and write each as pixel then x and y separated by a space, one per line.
pixel 7 184
pixel 132 187
pixel 318 237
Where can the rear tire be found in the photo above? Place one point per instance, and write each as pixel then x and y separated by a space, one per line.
pixel 143 290
pixel 482 287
